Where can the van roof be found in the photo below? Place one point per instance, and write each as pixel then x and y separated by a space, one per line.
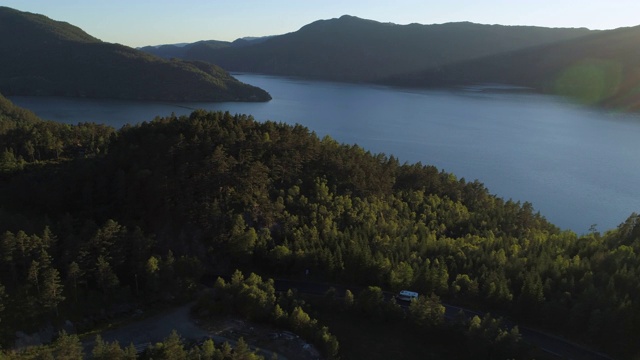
pixel 407 292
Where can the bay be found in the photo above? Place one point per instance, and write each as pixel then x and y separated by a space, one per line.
pixel 577 165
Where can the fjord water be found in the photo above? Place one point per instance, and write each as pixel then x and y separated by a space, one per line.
pixel 578 166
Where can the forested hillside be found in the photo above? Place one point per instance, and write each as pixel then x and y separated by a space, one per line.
pixel 591 67
pixel 49 58
pixel 151 208
pixel 354 49
pixel 25 139
pixel 598 69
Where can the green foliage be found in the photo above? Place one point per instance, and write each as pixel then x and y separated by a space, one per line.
pixel 490 337
pixel 33 352
pixel 173 347
pixel 243 352
pixel 26 139
pixel 349 299
pixel 201 194
pixel 52 288
pixel 68 347
pixel 208 349
pixel 401 276
pixel 107 351
pixel 426 311
pixel 370 301
pixel 254 299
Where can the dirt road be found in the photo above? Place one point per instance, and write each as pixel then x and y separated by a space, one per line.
pixel 154 329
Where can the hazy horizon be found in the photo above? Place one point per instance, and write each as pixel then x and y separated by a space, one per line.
pixel 147 22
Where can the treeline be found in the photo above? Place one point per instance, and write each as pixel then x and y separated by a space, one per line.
pixel 173 347
pixel 24 138
pixel 255 299
pixel 225 191
pixel 397 327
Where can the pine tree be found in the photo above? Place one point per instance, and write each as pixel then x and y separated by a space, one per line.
pixel 33 276
pixel 208 349
pixel 242 351
pixel 349 299
pixel 105 276
pixel 68 347
pixel 8 253
pixel 226 350
pixel 74 273
pixel 52 288
pixel 173 348
pixel 99 348
pixel 130 352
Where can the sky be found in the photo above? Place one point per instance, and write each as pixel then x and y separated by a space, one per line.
pixel 152 22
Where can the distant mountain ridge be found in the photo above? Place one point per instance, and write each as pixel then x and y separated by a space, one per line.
pixel 592 67
pixel 599 69
pixel 199 48
pixel 46 57
pixel 354 49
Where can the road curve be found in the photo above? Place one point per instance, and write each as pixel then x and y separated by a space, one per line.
pixel 554 345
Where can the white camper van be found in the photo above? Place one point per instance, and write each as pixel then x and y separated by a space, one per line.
pixel 406 295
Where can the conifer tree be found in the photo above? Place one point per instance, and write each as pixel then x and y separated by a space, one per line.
pixel 52 288
pixel 68 347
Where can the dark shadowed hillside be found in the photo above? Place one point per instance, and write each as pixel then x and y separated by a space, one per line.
pixel 354 49
pixel 47 57
pixel 600 69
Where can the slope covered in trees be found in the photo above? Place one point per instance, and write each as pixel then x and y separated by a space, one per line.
pixel 27 139
pixel 47 57
pixel 354 49
pixel 598 69
pixel 592 67
pixel 179 197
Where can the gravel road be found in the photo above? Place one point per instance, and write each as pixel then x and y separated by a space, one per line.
pixel 154 329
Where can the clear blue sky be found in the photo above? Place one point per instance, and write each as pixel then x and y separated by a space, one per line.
pixel 152 22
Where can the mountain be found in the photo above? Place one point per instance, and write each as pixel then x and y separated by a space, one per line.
pixel 47 57
pixel 599 69
pixel 199 49
pixel 354 49
pixel 169 51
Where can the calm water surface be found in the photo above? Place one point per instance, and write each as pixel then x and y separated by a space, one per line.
pixel 577 166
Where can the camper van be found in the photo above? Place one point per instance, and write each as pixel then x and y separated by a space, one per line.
pixel 406 295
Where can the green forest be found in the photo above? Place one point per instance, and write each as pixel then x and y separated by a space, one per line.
pixel 92 217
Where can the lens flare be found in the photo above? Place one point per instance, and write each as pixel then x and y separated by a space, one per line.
pixel 590 81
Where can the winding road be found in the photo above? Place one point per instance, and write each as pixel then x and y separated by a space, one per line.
pixel 553 345
pixel 153 329
pixel 156 328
